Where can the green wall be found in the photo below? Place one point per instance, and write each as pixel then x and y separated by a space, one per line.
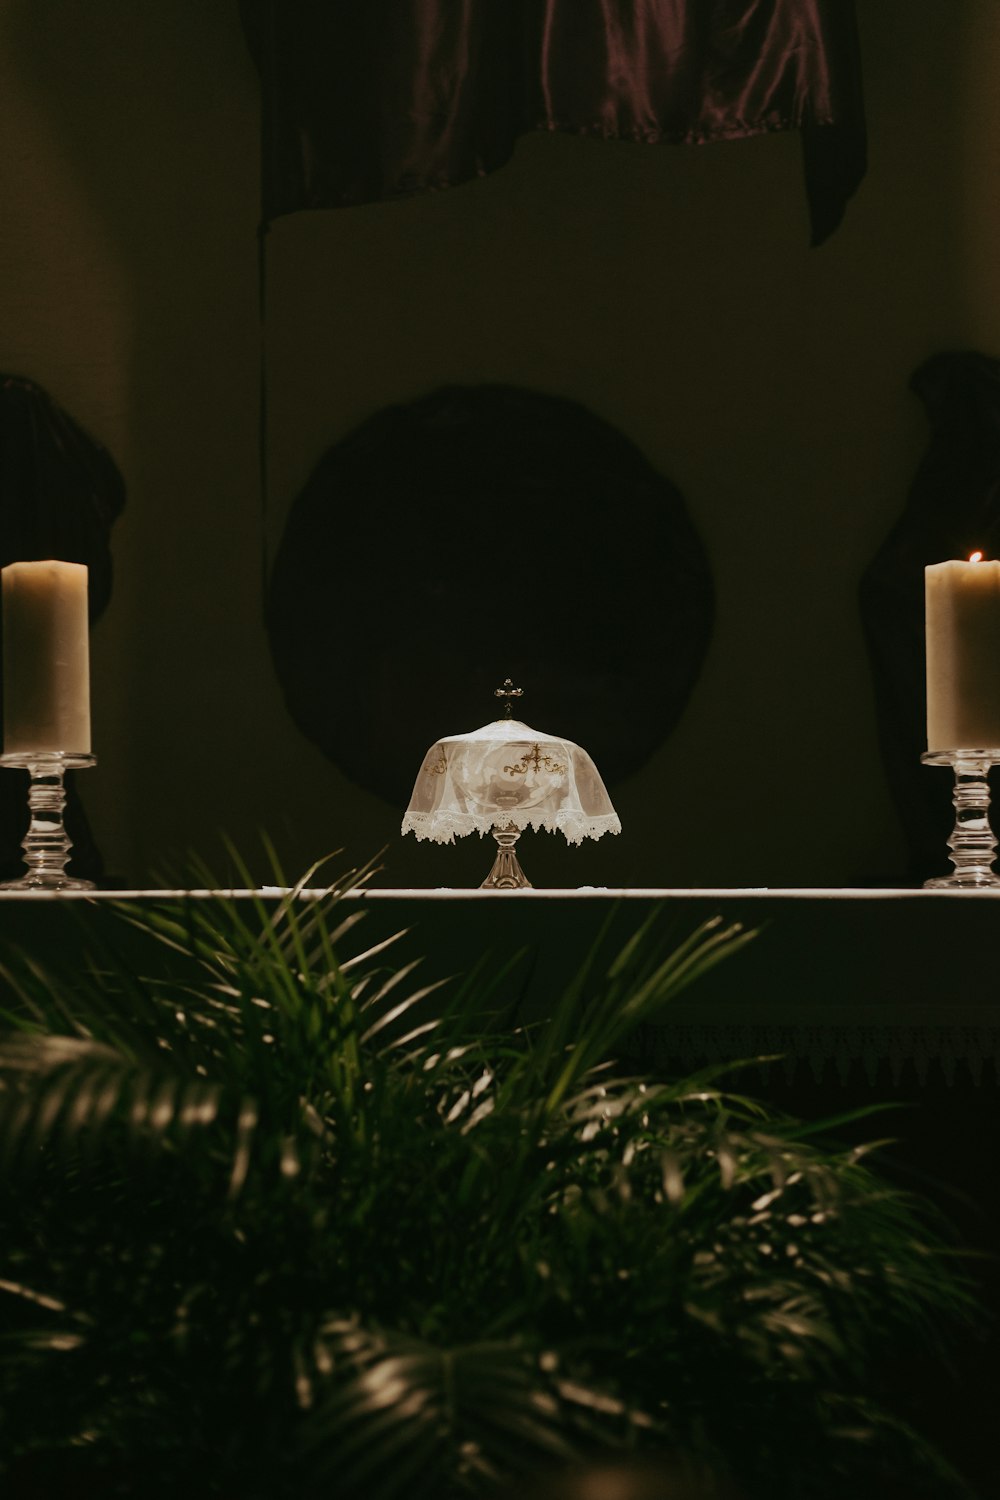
pixel 670 289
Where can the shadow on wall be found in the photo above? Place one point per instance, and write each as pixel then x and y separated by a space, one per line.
pixel 156 108
pixel 60 494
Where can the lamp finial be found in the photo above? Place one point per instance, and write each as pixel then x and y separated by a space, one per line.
pixel 508 691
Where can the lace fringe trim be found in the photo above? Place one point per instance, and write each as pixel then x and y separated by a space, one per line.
pixel 444 828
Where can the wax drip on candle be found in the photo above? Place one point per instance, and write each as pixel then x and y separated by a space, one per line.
pixel 975 557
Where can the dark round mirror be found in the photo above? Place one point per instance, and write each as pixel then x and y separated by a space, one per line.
pixel 476 534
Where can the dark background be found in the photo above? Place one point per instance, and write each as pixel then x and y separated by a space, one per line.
pixel 671 290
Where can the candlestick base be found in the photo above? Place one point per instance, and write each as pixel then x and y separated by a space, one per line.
pixel 972 843
pixel 506 874
pixel 46 844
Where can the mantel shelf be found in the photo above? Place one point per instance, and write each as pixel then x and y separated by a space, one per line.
pixel 577 893
pixel 847 975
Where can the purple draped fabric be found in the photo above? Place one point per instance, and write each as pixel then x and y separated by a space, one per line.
pixel 369 99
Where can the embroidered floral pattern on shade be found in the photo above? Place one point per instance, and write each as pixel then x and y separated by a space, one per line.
pixel 535 759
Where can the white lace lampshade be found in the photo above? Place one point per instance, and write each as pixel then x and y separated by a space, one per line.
pixel 504 778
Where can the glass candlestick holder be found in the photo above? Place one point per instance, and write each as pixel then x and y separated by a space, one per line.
pixel 506 874
pixel 972 843
pixel 46 844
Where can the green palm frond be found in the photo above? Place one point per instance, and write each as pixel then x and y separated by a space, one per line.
pixel 408 1416
pixel 534 1252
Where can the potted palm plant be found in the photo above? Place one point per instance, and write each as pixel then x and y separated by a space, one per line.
pixel 288 1220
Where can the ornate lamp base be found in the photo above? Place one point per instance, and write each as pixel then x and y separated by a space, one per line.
pixel 972 843
pixel 46 844
pixel 506 874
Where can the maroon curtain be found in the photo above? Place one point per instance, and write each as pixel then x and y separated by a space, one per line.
pixel 370 99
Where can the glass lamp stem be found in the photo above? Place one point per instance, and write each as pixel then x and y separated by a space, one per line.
pixel 506 874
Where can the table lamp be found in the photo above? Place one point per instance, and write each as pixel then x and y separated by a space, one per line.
pixel 502 779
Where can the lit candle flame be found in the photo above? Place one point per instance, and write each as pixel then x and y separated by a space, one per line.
pixel 975 557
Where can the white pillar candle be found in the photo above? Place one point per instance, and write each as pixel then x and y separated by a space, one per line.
pixel 962 602
pixel 46 657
